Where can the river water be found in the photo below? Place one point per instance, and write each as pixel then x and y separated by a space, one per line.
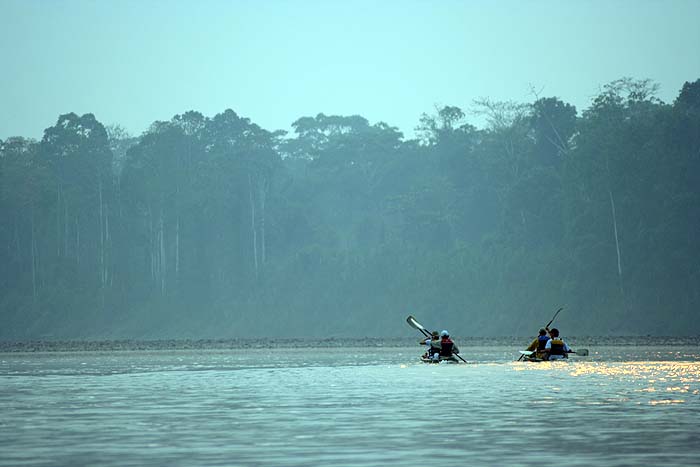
pixel 623 405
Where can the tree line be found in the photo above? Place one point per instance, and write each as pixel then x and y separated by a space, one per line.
pixel 216 227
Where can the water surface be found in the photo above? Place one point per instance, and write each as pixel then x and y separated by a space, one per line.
pixel 624 405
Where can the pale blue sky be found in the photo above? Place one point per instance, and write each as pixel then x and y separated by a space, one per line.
pixel 132 62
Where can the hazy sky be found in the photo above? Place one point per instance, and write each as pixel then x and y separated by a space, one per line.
pixel 134 62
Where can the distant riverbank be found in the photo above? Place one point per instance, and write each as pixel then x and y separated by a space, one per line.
pixel 106 345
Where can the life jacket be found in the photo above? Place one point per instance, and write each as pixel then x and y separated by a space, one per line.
pixel 432 346
pixel 446 345
pixel 557 347
pixel 541 342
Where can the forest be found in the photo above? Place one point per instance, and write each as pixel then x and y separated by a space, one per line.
pixel 213 227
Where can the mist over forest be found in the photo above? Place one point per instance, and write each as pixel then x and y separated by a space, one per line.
pixel 213 227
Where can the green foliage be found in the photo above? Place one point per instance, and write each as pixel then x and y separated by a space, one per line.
pixel 215 227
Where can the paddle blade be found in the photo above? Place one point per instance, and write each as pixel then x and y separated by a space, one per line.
pixel 413 323
pixel 526 352
pixel 582 352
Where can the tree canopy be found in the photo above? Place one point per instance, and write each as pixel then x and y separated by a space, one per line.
pixel 215 227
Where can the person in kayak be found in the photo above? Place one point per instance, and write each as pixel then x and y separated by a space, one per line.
pixel 556 348
pixel 447 347
pixel 539 343
pixel 432 344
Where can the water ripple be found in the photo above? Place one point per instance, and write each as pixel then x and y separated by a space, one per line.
pixel 346 407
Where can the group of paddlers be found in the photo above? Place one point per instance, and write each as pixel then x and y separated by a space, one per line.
pixel 549 347
pixel 439 346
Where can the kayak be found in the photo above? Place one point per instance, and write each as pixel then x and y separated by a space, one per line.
pixel 416 325
pixel 451 359
pixel 535 359
pixel 530 356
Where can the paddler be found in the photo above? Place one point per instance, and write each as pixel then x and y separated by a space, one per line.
pixel 556 348
pixel 447 347
pixel 538 344
pixel 432 344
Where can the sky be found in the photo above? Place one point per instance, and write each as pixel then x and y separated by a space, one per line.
pixel 132 62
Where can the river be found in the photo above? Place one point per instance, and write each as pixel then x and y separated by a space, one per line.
pixel 626 404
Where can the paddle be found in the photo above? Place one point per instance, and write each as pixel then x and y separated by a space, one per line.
pixel 416 325
pixel 579 352
pixel 555 315
pixel 546 327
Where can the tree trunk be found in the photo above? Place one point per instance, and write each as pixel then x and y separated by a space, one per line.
pixel 58 221
pixel 108 276
pixel 177 249
pixel 65 230
pixel 617 241
pixel 252 224
pixel 18 245
pixel 177 218
pixel 263 194
pixel 162 264
pixel 33 258
pixel 102 235
pixel 151 244
pixel 77 240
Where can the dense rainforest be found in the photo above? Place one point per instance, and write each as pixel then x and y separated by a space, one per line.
pixel 215 227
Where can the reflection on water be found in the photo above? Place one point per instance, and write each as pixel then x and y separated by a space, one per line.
pixel 622 406
pixel 664 380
